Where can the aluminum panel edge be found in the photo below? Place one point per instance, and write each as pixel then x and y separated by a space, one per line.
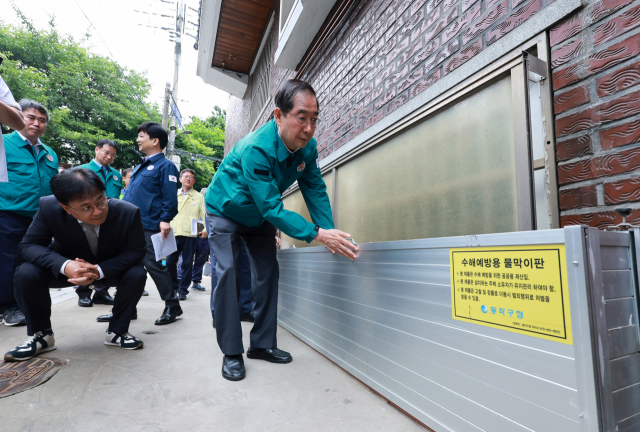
pixel 583 342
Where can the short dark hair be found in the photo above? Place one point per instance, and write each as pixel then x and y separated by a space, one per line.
pixel 75 183
pixel 187 170
pixel 108 142
pixel 127 171
pixel 154 130
pixel 289 90
pixel 26 104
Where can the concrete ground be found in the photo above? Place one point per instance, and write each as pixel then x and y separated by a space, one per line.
pixel 174 383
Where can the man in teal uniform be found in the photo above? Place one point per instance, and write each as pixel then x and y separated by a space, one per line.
pixel 106 153
pixel 30 165
pixel 244 205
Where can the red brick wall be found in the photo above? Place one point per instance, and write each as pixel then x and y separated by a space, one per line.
pixel 596 72
pixel 389 51
pixel 392 50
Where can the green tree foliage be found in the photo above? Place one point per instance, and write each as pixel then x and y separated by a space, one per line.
pixel 207 138
pixel 89 99
pixel 85 93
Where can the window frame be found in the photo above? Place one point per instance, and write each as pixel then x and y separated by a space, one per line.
pixel 519 64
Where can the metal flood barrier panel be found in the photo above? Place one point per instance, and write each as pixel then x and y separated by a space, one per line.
pixel 526 331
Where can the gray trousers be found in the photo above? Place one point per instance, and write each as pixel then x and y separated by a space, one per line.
pixel 225 237
pixel 159 273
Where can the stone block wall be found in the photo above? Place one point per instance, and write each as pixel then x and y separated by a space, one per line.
pixel 596 77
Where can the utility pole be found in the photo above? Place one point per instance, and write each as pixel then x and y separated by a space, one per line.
pixel 165 108
pixel 178 52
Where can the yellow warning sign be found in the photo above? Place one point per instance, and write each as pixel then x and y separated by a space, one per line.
pixel 522 289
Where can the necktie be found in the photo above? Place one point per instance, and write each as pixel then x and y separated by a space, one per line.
pixel 92 237
pixel 105 171
pixel 146 158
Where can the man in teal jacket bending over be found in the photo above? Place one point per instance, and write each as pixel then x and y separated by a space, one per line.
pixel 106 153
pixel 244 204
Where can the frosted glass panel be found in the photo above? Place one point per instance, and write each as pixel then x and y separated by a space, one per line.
pixel 543 220
pixel 452 174
pixel 295 202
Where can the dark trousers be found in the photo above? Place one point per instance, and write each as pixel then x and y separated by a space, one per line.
pixel 225 238
pixel 202 253
pixel 244 301
pixel 186 249
pixel 12 228
pixel 32 292
pixel 159 273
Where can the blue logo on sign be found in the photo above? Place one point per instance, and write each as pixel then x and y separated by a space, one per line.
pixel 484 309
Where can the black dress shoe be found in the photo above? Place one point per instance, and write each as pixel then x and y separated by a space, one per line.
pixel 247 317
pixel 182 296
pixel 104 299
pixel 233 368
pixel 85 302
pixel 170 314
pixel 107 317
pixel 144 293
pixel 274 355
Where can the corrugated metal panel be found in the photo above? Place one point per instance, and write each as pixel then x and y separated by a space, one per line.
pixel 386 318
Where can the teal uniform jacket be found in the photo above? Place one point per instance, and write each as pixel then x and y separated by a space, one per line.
pixel 29 175
pixel 248 186
pixel 113 181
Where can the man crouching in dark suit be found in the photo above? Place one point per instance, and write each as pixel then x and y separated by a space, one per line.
pixel 94 238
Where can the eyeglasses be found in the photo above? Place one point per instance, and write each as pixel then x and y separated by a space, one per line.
pixel 88 210
pixel 38 119
pixel 107 154
pixel 304 121
pixel 188 177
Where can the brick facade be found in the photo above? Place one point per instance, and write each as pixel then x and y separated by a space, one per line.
pixel 389 51
pixel 596 72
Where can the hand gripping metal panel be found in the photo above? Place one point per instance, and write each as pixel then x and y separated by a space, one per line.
pixel 387 319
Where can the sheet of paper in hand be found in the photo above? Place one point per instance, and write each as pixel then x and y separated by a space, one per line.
pixel 164 247
pixel 197 226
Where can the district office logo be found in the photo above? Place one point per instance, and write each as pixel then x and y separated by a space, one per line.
pixel 115 178
pixel 484 309
pixel 150 167
pixel 173 179
pixel 50 158
pixel 301 167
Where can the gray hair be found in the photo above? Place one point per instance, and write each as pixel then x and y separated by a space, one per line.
pixel 187 170
pixel 26 104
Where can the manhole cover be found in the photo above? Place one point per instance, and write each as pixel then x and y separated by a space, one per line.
pixel 16 377
pixel 151 332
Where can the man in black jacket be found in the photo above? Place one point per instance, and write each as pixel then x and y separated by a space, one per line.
pixel 94 239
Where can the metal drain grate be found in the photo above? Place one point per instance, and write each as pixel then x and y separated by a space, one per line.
pixel 16 377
